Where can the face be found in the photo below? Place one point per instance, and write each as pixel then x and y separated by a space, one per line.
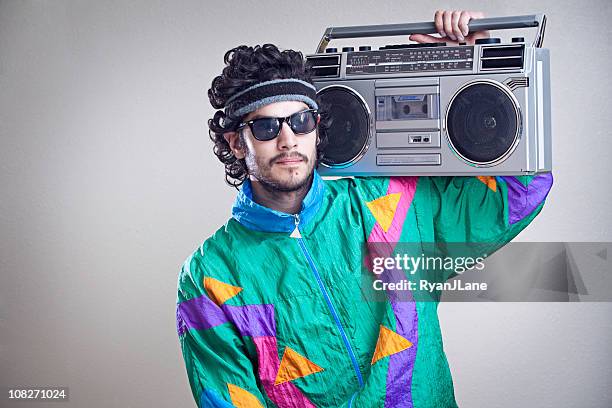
pixel 285 163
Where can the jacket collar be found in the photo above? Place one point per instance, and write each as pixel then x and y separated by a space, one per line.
pixel 257 217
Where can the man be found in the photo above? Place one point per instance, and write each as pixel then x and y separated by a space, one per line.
pixel 270 308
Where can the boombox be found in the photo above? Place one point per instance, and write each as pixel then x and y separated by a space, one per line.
pixel 435 109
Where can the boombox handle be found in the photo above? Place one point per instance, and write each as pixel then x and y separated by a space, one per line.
pixel 481 24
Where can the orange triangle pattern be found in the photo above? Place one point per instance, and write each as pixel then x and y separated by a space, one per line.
pixel 241 398
pixel 489 181
pixel 220 292
pixel 383 209
pixel 293 365
pixel 389 342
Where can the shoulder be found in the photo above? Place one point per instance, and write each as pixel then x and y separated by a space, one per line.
pixel 211 259
pixel 364 187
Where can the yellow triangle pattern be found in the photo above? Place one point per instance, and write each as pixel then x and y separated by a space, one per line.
pixel 220 292
pixel 389 342
pixel 293 365
pixel 489 181
pixel 241 398
pixel 383 209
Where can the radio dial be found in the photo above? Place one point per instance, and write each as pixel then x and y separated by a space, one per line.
pixel 365 48
pixel 330 50
pixel 348 49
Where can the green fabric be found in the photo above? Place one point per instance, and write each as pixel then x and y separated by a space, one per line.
pixel 271 269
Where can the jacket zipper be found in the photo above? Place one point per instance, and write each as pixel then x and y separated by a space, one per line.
pixel 328 301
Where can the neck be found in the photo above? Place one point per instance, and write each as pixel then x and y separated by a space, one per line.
pixel 289 202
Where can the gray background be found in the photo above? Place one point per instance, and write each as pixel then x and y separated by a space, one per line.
pixel 108 183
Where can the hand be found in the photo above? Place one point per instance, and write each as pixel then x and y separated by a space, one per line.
pixel 452 26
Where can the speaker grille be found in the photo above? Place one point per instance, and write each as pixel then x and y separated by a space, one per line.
pixel 483 123
pixel 349 132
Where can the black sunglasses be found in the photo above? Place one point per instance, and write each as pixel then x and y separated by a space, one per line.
pixel 264 129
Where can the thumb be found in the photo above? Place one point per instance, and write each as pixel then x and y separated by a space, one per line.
pixel 425 38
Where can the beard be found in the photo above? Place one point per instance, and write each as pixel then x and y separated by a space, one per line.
pixel 280 179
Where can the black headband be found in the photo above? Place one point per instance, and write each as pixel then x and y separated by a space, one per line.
pixel 265 93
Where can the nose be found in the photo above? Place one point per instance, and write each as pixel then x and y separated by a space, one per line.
pixel 286 139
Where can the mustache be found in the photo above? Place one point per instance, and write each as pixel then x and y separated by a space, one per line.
pixel 284 156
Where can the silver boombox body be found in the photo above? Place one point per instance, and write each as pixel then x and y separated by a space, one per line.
pixel 432 109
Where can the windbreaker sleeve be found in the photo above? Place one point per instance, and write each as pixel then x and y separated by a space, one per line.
pixel 487 209
pixel 219 369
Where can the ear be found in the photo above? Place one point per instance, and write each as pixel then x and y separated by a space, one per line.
pixel 233 139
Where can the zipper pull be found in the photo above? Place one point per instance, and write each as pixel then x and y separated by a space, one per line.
pixel 296 231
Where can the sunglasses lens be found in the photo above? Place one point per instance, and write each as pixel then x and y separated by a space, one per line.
pixel 265 128
pixel 268 128
pixel 304 122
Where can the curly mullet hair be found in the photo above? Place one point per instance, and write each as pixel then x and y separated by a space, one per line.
pixel 246 66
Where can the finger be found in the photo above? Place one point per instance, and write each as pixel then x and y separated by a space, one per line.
pixel 455 23
pixel 448 28
pixel 439 23
pixel 464 20
pixel 471 39
pixel 425 38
